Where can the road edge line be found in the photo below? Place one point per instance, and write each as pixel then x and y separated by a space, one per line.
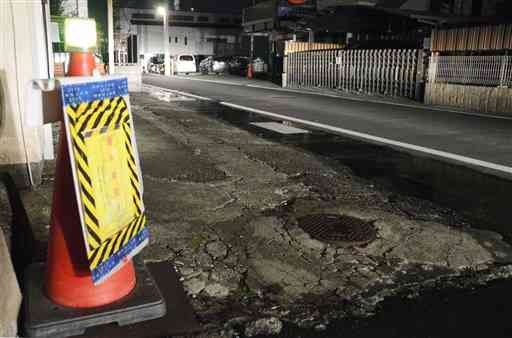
pixel 381 140
pixel 180 92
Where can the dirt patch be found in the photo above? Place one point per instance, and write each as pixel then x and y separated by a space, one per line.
pixel 165 157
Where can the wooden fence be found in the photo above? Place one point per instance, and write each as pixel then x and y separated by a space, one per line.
pixel 481 38
pixel 390 71
pixel 294 46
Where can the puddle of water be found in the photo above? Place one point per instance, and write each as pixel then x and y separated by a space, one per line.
pixel 165 95
pixel 481 198
pixel 438 313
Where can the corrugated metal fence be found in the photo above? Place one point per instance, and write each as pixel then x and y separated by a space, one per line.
pixel 388 71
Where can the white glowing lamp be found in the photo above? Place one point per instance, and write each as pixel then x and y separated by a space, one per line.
pixel 79 34
pixel 161 10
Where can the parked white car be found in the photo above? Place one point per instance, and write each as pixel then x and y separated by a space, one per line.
pixel 185 63
pixel 213 65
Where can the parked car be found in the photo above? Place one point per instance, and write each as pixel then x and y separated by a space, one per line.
pixel 259 66
pixel 185 63
pixel 213 65
pixel 238 65
pixel 156 64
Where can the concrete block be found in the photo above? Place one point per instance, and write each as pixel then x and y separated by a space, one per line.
pixel 10 301
pixel 134 74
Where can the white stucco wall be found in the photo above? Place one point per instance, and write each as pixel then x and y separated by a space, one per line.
pixel 151 37
pixel 23 58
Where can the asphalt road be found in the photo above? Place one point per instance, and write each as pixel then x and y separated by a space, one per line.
pixel 481 142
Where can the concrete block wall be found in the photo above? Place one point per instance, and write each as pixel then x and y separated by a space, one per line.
pixel 491 100
pixel 10 301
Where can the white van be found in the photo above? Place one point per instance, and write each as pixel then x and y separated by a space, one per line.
pixel 185 63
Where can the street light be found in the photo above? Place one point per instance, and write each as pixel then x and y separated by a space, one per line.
pixel 161 10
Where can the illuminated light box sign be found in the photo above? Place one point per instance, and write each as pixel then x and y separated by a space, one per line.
pixel 106 171
pixel 296 8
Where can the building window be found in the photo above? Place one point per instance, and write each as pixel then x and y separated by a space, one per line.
pixel 143 16
pixel 186 41
pixel 170 39
pixel 176 40
pixel 203 19
pixel 181 18
pixel 216 39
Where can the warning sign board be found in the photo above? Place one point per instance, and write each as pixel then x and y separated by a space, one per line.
pixel 105 163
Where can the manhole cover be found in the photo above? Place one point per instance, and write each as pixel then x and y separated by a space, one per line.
pixel 337 228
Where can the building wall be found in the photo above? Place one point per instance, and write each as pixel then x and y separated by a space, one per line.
pixel 22 60
pixel 416 5
pixel 457 7
pixel 184 37
pixel 75 8
pixel 489 7
pixel 183 40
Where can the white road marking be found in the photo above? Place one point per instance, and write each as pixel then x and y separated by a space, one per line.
pixel 209 80
pixel 381 140
pixel 280 128
pixel 192 95
pixel 178 92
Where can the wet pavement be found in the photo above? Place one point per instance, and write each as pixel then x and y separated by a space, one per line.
pixel 475 141
pixel 226 201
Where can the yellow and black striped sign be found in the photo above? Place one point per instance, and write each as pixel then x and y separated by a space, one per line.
pixel 107 176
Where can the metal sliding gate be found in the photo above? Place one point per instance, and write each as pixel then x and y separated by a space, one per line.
pixel 391 72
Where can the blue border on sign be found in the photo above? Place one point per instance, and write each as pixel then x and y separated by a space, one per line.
pixel 77 93
pixel 105 268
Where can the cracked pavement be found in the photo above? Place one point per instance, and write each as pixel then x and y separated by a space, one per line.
pixel 223 204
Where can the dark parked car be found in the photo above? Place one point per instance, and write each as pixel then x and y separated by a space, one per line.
pixel 238 65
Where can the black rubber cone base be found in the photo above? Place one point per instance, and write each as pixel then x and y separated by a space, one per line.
pixel 42 318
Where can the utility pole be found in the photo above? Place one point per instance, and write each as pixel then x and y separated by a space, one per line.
pixel 167 58
pixel 110 19
pixel 163 11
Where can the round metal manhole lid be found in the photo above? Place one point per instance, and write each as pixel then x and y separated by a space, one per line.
pixel 338 228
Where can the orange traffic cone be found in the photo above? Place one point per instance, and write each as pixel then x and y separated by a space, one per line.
pixel 249 71
pixel 81 64
pixel 68 277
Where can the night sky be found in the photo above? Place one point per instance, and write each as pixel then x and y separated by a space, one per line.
pixel 229 6
pixel 98 9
